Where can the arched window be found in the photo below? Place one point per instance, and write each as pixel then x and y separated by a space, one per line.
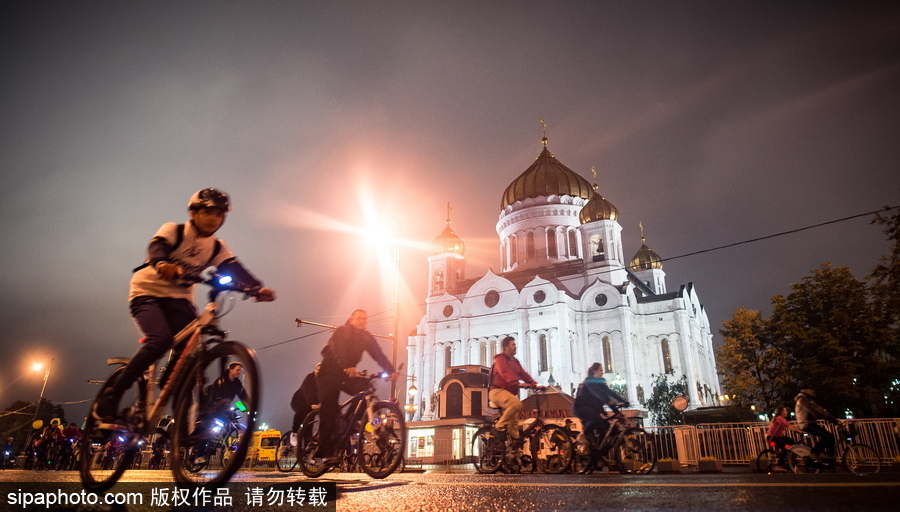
pixel 448 359
pixel 552 252
pixel 529 246
pixel 482 354
pixel 667 356
pixel 607 356
pixel 542 361
pixel 573 244
pixel 597 248
pixel 513 251
pixel 439 279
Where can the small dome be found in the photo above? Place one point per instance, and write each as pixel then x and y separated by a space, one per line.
pixel 645 259
pixel 448 241
pixel 546 177
pixel 598 208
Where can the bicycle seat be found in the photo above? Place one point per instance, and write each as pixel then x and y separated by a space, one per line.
pixel 118 360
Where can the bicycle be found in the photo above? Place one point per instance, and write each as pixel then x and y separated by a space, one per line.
pixel 226 433
pixel 108 449
pixel 372 436
pixel 549 448
pixel 858 458
pixel 628 445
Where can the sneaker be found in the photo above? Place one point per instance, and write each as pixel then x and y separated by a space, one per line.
pixel 104 408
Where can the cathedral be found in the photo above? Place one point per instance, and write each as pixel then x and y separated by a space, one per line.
pixel 568 296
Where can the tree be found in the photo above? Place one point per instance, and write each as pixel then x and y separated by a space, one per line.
pixel 753 366
pixel 660 402
pixel 885 292
pixel 832 332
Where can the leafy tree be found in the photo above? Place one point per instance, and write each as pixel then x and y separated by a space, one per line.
pixel 661 397
pixel 885 291
pixel 832 332
pixel 825 327
pixel 753 366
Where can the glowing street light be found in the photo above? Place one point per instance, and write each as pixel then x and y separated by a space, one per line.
pixel 38 367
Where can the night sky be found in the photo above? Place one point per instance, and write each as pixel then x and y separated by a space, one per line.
pixel 709 122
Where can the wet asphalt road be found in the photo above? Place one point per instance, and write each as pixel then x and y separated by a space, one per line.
pixel 730 491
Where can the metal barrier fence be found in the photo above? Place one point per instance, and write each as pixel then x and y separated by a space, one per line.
pixel 732 443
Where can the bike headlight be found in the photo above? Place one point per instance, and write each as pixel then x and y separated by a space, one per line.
pixel 225 280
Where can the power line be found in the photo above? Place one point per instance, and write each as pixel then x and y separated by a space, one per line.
pixel 885 209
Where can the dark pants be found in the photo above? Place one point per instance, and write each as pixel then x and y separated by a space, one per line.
pixel 331 381
pixel 160 319
pixel 591 421
pixel 825 445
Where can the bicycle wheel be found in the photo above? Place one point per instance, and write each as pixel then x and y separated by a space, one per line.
pixel 108 449
pixel 635 454
pixel 798 463
pixel 862 459
pixel 307 444
pixel 286 453
pixel 487 449
pixel 551 449
pixel 766 462
pixel 197 438
pixel 382 440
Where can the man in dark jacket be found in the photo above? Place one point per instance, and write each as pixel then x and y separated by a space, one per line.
pixel 808 413
pixel 339 359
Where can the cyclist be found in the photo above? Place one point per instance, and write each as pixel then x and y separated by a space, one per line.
pixel 338 371
pixel 504 389
pixel 160 304
pixel 8 454
pixel 72 432
pixel 808 412
pixel 305 398
pixel 776 433
pixel 590 401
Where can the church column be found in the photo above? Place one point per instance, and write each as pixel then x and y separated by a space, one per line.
pixel 628 345
pixel 687 355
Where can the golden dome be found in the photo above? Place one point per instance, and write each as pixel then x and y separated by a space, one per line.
pixel 448 241
pixel 546 177
pixel 645 259
pixel 598 208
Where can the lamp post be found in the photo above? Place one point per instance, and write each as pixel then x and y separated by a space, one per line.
pixel 396 335
pixel 411 406
pixel 618 385
pixel 38 367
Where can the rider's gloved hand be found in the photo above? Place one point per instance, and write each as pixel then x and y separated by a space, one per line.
pixel 264 295
pixel 168 271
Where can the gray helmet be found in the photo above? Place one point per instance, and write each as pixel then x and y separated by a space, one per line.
pixel 209 198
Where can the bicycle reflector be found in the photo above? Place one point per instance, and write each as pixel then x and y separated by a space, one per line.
pixel 240 406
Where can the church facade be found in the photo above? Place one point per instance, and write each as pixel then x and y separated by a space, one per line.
pixel 567 294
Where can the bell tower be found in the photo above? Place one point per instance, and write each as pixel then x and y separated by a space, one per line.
pixel 447 263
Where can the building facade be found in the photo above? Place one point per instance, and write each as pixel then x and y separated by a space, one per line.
pixel 567 294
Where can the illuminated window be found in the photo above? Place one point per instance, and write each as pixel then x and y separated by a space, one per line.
pixel 607 356
pixel 439 279
pixel 573 244
pixel 529 246
pixel 667 356
pixel 542 362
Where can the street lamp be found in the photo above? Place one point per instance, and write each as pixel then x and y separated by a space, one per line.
pixel 38 367
pixel 619 386
pixel 411 406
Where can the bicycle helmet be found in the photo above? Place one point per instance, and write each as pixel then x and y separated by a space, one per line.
pixel 209 198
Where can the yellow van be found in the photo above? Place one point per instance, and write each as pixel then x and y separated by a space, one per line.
pixel 262 448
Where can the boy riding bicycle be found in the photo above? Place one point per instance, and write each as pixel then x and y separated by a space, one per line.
pixel 161 305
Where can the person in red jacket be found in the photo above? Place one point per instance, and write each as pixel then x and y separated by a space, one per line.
pixel 504 390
